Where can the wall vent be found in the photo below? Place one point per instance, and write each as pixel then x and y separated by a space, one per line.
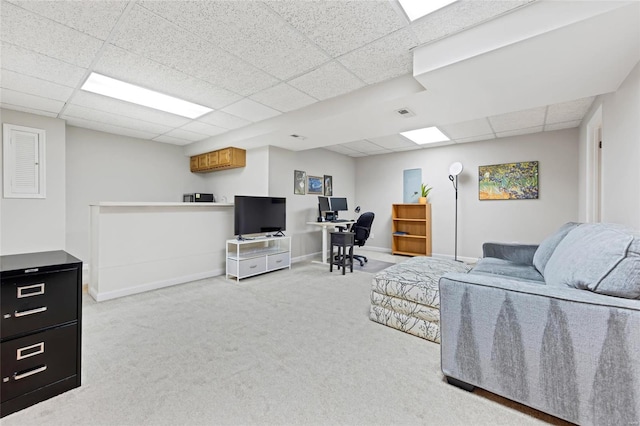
pixel 405 112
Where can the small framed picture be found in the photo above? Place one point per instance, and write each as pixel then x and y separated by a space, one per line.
pixel 314 185
pixel 299 182
pixel 328 186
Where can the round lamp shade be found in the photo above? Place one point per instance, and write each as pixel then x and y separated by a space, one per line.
pixel 455 169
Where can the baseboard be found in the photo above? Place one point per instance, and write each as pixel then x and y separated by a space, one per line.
pixel 449 257
pixel 101 297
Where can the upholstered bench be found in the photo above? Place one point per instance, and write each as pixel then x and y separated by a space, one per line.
pixel 406 296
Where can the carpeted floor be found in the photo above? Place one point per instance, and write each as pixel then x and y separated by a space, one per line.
pixel 289 347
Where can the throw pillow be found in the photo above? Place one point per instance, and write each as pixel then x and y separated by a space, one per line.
pixel 603 258
pixel 549 244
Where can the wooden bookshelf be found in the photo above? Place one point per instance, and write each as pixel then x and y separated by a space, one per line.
pixel 414 222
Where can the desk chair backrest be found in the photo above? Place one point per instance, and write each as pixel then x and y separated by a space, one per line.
pixel 362 228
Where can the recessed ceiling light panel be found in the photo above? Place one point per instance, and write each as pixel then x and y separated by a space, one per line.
pixel 107 86
pixel 418 8
pixel 426 135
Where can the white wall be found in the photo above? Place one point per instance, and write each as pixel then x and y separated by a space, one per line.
pixel 379 184
pixel 31 225
pixel 304 208
pixel 620 153
pixel 253 179
pixel 106 167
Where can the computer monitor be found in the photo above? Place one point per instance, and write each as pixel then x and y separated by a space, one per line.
pixel 339 204
pixel 323 204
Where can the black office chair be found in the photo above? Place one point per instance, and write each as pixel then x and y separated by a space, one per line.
pixel 362 229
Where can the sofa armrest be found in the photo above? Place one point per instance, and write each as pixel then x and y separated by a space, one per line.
pixel 550 348
pixel 517 253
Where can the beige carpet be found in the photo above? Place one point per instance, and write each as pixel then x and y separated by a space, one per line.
pixel 289 347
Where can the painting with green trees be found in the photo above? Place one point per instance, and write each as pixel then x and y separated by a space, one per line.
pixel 510 181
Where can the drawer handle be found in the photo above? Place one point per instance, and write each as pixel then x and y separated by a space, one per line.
pixel 29 373
pixel 253 266
pixel 30 290
pixel 31 312
pixel 28 351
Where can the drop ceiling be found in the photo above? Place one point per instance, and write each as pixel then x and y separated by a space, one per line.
pixel 333 72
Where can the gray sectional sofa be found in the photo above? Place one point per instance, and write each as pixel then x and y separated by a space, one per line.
pixel 555 326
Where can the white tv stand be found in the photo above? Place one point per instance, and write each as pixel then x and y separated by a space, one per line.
pixel 249 257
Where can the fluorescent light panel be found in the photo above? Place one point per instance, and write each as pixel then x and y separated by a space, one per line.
pixel 107 86
pixel 418 8
pixel 425 136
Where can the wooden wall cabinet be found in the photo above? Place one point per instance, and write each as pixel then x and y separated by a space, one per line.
pixel 222 159
pixel 411 229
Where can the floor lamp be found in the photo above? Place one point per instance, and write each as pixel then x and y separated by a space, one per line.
pixel 454 170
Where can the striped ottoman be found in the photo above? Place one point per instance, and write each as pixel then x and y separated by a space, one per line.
pixel 406 296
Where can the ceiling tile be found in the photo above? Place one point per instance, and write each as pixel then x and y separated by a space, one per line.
pixel 476 138
pixel 34 64
pixel 559 126
pixel 171 140
pixel 467 129
pixel 568 111
pixel 104 103
pixel 34 86
pixel 283 98
pixel 339 27
pixel 340 149
pixel 107 128
pixel 518 120
pixel 326 82
pixel 11 97
pixel 95 18
pixel 363 146
pixel 393 142
pixel 203 128
pixel 75 111
pixel 153 37
pixel 459 16
pixel 250 110
pixel 383 59
pixel 186 135
pixel 249 30
pixel 29 110
pixel 224 120
pixel 523 131
pixel 24 29
pixel 124 65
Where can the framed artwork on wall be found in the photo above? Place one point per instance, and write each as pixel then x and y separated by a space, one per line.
pixel 509 181
pixel 328 186
pixel 314 185
pixel 299 182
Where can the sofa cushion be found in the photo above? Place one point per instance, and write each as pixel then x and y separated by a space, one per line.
pixel 549 244
pixel 603 258
pixel 495 266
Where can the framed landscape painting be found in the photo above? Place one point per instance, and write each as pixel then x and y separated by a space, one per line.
pixel 509 181
pixel 314 185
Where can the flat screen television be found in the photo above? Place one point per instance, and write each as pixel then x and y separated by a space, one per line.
pixel 258 215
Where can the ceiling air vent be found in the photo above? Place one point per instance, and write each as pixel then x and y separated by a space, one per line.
pixel 405 112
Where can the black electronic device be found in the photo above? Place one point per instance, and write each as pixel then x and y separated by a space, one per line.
pixel 256 215
pixel 198 197
pixel 338 204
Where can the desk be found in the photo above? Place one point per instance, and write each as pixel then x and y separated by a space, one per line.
pixel 326 226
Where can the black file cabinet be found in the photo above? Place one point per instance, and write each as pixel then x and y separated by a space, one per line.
pixel 40 327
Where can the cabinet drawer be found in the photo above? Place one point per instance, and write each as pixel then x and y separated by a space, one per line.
pixel 252 266
pixel 34 301
pixel 36 360
pixel 277 261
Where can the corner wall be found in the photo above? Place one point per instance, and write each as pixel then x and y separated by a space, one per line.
pixel 379 184
pixel 32 225
pixel 620 153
